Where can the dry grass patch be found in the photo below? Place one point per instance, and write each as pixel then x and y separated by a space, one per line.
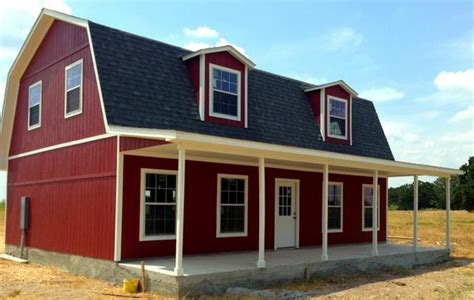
pixel 432 229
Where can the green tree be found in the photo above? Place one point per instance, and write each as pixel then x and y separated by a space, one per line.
pixel 463 191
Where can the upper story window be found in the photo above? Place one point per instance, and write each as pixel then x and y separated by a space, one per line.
pixel 225 93
pixel 337 119
pixel 73 96
pixel 34 105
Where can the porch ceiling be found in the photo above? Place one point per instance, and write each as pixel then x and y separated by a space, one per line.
pixel 235 155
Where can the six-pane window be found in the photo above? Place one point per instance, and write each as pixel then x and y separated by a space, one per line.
pixel 337 117
pixel 225 92
pixel 232 202
pixel 73 89
pixel 335 206
pixel 34 105
pixel 160 204
pixel 367 195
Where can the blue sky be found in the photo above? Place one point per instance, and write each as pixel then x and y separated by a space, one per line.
pixel 415 60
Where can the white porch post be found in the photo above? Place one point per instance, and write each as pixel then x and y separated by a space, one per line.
pixel 448 213
pixel 415 213
pixel 261 213
pixel 375 211
pixel 178 269
pixel 324 253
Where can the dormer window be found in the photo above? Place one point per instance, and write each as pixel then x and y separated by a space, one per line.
pixel 224 93
pixel 337 119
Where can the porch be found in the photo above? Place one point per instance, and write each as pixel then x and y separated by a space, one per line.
pixel 292 259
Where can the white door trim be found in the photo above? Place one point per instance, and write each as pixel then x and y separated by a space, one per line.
pixel 297 207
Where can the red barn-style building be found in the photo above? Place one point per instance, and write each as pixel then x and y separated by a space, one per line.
pixel 130 148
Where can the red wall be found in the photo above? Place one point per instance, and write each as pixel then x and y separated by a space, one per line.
pixel 72 196
pixel 63 45
pixel 193 68
pixel 130 143
pixel 226 60
pixel 339 92
pixel 201 202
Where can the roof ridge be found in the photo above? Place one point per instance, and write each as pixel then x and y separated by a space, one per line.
pixel 141 36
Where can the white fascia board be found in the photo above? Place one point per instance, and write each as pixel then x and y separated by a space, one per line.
pixel 342 83
pixel 234 52
pixel 150 133
pixel 250 148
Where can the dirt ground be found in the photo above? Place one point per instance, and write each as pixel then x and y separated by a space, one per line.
pixel 454 279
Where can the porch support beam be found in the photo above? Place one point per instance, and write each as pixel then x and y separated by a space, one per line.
pixel 448 213
pixel 415 213
pixel 375 210
pixel 324 253
pixel 178 269
pixel 261 213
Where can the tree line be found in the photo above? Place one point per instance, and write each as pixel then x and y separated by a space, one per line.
pixel 433 194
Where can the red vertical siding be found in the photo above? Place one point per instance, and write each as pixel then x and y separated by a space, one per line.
pixel 315 100
pixel 201 207
pixel 226 60
pixel 193 68
pixel 339 92
pixel 72 192
pixel 62 45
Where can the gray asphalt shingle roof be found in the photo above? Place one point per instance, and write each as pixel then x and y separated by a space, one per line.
pixel 146 84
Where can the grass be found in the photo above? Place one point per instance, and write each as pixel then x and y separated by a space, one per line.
pixel 432 229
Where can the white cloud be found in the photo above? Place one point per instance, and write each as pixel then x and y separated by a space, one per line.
pixel 224 42
pixel 382 94
pixel 464 115
pixel 201 32
pixel 458 82
pixel 344 37
pixel 429 114
pixel 194 46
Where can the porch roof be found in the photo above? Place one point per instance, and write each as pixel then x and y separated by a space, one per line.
pixel 209 148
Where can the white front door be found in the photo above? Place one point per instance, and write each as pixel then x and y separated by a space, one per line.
pixel 285 213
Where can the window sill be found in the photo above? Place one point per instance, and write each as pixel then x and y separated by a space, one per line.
pixel 369 229
pixel 157 238
pixel 335 230
pixel 344 138
pixel 224 116
pixel 30 128
pixel 226 235
pixel 72 114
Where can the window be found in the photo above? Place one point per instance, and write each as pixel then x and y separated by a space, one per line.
pixel 231 205
pixel 158 205
pixel 34 105
pixel 225 93
pixel 335 207
pixel 73 85
pixel 367 197
pixel 337 121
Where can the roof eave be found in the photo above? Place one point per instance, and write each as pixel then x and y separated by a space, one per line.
pixel 228 48
pixel 342 83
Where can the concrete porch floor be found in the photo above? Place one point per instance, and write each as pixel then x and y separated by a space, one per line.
pixel 239 261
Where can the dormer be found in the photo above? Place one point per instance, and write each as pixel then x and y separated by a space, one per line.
pixel 220 76
pixel 332 107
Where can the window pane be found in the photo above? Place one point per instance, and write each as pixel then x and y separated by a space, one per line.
pixel 334 218
pixel 232 219
pixel 225 103
pixel 160 219
pixel 74 76
pixel 150 180
pixel 73 100
pixel 34 115
pixel 337 126
pixel 367 217
pixel 337 108
pixel 35 95
pixel 368 196
pixel 334 195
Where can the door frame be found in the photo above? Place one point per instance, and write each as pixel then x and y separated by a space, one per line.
pixel 297 207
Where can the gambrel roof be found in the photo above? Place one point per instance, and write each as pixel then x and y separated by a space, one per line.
pixel 146 84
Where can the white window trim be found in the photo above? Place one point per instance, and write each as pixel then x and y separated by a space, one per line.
pixel 218 227
pixel 211 94
pixel 363 208
pixel 342 207
pixel 77 111
pixel 40 83
pixel 328 119
pixel 142 235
